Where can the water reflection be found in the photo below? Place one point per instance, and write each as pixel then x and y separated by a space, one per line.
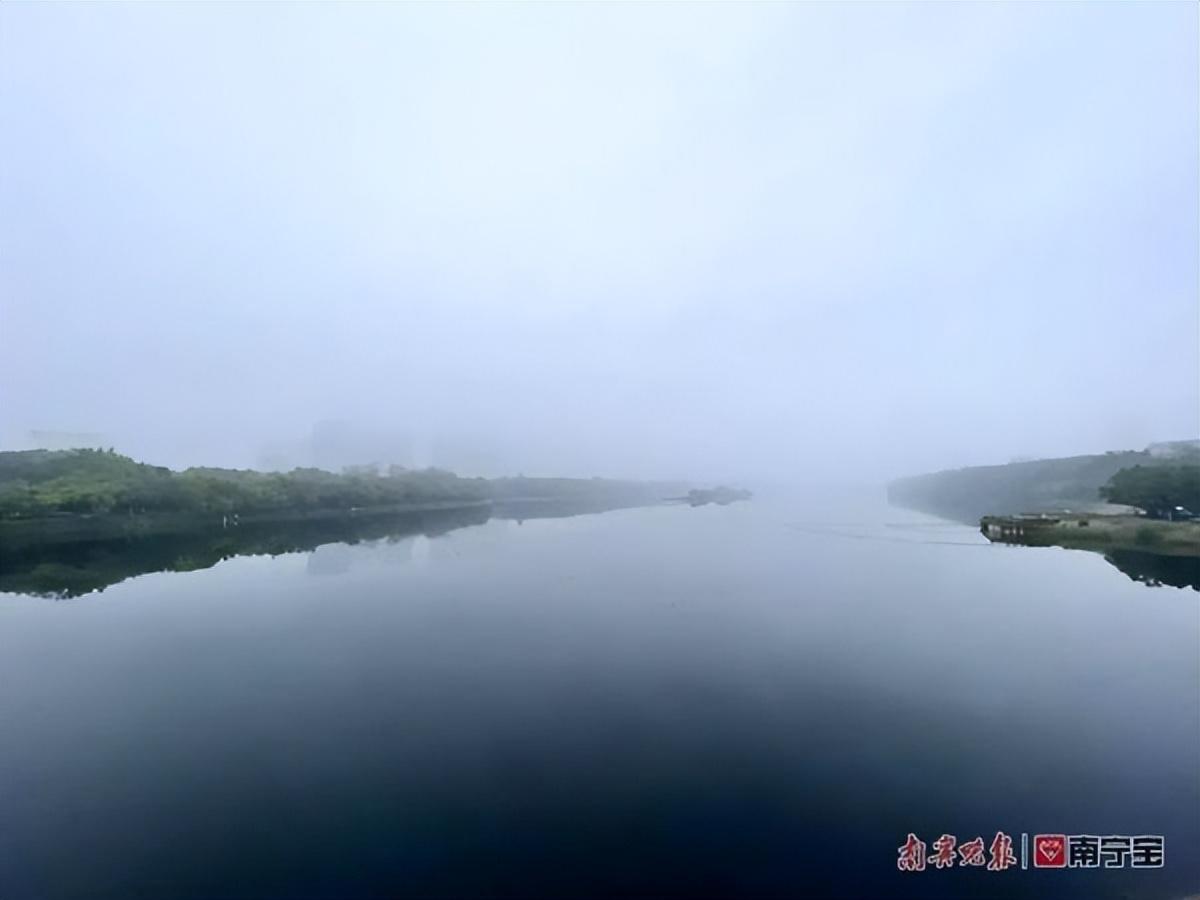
pixel 1156 570
pixel 540 508
pixel 329 559
pixel 1150 569
pixel 65 569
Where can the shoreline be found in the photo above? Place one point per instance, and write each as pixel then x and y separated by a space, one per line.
pixel 1084 531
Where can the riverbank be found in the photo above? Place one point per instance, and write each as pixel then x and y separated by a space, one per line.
pixel 1102 533
pixel 94 494
pixel 1066 483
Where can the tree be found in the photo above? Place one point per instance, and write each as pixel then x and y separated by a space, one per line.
pixel 1156 489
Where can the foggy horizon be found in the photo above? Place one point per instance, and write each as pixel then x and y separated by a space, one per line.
pixel 755 243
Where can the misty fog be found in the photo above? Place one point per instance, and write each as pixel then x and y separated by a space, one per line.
pixel 745 242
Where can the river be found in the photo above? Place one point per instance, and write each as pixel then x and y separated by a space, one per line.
pixel 756 700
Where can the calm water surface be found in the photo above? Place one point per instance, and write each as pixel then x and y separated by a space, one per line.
pixel 758 700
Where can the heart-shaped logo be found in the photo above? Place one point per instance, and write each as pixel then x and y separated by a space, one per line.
pixel 1050 851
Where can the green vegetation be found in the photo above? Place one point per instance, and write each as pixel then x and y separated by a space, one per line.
pixel 1146 536
pixel 1159 490
pixel 76 521
pixel 1092 532
pixel 69 491
pixel 1046 484
pixel 41 483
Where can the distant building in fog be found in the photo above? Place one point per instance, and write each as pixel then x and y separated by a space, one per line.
pixel 335 444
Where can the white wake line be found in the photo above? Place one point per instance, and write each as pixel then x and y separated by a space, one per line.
pixel 827 530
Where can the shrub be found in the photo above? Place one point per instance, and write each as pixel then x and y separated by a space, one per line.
pixel 1147 536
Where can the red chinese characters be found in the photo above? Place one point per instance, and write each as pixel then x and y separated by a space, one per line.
pixel 1002 853
pixel 972 853
pixel 912 855
pixel 1045 851
pixel 943 852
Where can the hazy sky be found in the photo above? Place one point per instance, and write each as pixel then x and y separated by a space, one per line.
pixel 697 240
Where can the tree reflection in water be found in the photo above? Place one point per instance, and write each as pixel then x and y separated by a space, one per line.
pixel 62 569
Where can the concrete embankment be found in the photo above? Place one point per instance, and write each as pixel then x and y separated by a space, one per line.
pixel 1095 532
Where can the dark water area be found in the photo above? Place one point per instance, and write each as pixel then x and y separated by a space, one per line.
pixel 754 700
pixel 1156 569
